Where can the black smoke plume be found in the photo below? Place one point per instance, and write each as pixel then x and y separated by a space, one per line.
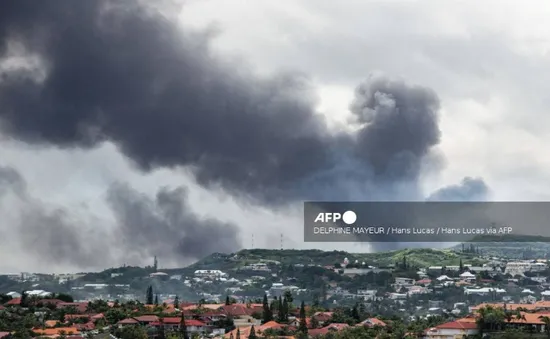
pixel 164 225
pixel 124 73
pixel 470 189
pixel 161 226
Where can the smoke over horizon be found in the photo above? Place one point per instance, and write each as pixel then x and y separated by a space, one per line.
pixel 128 75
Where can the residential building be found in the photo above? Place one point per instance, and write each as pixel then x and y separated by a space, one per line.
pixel 451 330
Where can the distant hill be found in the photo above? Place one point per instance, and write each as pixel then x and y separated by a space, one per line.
pixel 511 246
pixel 227 262
pixel 419 257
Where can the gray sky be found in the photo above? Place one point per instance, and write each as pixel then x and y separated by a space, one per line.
pixel 70 200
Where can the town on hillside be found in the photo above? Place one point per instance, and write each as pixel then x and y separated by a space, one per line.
pixel 248 296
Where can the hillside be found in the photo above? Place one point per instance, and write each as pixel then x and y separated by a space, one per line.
pixel 419 257
pixel 511 246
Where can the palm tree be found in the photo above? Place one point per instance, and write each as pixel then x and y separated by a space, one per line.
pixel 508 316
pixel 520 316
pixel 482 319
pixel 546 321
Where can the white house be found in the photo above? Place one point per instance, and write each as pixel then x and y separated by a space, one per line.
pixel 468 276
pixel 210 274
pixel 14 295
pixel 520 267
pixel 451 330
pixel 483 291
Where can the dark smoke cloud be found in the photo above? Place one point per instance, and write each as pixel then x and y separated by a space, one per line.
pixel 164 226
pixel 401 126
pixel 128 75
pixel 470 189
pixel 48 233
pixel 133 77
pixel 145 227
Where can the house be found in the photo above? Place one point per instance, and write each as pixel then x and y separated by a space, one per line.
pixel 195 326
pixel 14 301
pixel 371 322
pixel 484 290
pixel 451 330
pixel 404 281
pixel 336 327
pixel 322 317
pixel 54 332
pixel 80 307
pixel 211 316
pixel 212 274
pixel 245 331
pixel 173 323
pixel 128 322
pixel 467 276
pixel 13 295
pixel 146 319
pixel 51 323
pixel 423 282
pixel 296 322
pixel 204 306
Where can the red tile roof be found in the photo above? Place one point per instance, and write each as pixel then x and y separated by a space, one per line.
pixel 128 321
pixel 49 301
pixel 457 325
pixel 193 322
pixel 85 327
pixel 236 310
pixel 372 322
pixel 14 301
pixel 80 307
pixel 76 316
pixel 177 321
pixel 56 331
pixel 147 318
pixel 327 329
pixel 97 316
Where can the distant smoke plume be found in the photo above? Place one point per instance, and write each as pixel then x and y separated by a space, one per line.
pixel 164 226
pixel 470 189
pixel 124 73
pixel 146 227
pixel 48 233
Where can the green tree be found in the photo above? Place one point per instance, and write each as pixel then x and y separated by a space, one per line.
pixel 149 296
pixel 176 302
pixel 227 301
pixel 303 324
pixel 115 315
pixel 546 321
pixel 267 314
pixel 355 314
pixel 161 331
pixel 183 328
pixel 65 297
pixel 288 296
pixel 314 322
pixel 252 334
pixel 24 302
pixel 156 299
pixel 131 332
